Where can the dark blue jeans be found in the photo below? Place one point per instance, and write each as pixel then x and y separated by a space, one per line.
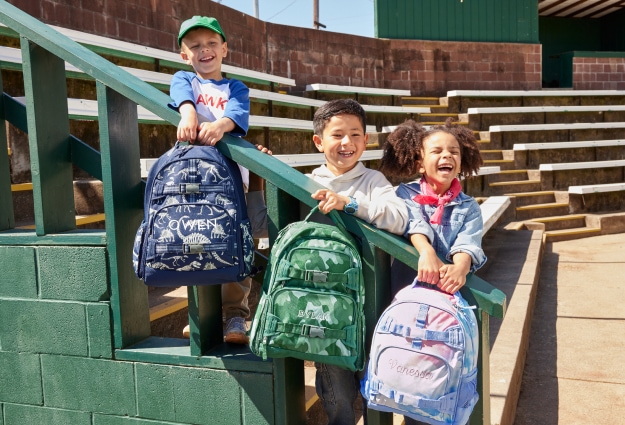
pixel 338 389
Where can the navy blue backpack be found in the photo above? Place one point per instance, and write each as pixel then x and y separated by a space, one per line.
pixel 195 228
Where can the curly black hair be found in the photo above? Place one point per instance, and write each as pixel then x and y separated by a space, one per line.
pixel 403 147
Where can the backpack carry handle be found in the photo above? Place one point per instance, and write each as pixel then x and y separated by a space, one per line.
pixel 335 217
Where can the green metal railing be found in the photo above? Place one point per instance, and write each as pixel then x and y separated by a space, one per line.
pixel 54 151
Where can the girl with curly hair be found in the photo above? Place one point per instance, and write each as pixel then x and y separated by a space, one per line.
pixel 444 222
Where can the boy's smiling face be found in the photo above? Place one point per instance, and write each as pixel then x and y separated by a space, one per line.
pixel 204 50
pixel 440 160
pixel 343 141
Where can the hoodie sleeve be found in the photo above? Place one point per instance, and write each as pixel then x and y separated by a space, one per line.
pixel 380 206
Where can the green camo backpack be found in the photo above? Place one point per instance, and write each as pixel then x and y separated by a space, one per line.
pixel 312 306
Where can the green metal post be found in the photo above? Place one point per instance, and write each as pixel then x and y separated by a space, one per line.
pixel 7 216
pixel 377 275
pixel 289 383
pixel 123 206
pixel 48 139
pixel 481 412
pixel 204 318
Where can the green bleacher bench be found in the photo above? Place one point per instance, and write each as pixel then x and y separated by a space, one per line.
pixel 372 91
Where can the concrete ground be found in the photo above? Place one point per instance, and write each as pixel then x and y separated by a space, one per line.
pixel 574 369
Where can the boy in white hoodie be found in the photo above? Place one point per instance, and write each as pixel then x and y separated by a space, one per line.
pixel 339 132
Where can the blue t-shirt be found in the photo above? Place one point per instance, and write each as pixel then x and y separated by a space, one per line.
pixel 213 99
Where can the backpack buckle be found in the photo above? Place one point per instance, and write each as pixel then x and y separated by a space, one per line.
pixel 189 188
pixel 313 331
pixel 316 276
pixel 193 248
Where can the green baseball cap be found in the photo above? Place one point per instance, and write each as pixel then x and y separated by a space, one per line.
pixel 200 22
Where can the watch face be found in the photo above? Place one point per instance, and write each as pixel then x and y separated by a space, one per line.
pixel 351 207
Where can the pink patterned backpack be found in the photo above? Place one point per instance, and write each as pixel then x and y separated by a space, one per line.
pixel 423 359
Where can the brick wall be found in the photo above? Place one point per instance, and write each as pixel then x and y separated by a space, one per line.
pixel 598 73
pixel 427 68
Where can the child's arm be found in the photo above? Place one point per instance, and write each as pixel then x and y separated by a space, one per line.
pixel 187 127
pixel 465 254
pixel 429 263
pixel 454 276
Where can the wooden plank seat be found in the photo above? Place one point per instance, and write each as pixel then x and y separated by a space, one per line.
pixel 560 176
pixel 459 101
pixel 88 110
pixel 531 155
pixel 591 198
pixel 505 136
pixel 483 118
pixel 597 188
pixel 372 91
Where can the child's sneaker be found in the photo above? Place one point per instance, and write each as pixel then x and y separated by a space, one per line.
pixel 236 331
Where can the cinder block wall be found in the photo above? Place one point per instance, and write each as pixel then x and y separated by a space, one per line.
pixel 308 55
pixel 57 363
pixel 599 73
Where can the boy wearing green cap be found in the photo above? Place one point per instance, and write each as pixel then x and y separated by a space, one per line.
pixel 210 106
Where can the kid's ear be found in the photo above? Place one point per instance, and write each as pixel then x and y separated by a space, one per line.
pixel 420 167
pixel 318 143
pixel 184 57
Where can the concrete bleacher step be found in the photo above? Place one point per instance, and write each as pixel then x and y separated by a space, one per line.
pixel 490 154
pixel 88 202
pixel 562 228
pixel 541 197
pixel 508 175
pixel 439 116
pixel 511 187
pixel 90 221
pixel 571 234
pixel 438 120
pixel 527 212
pixel 422 101
pixel 559 222
pixel 503 164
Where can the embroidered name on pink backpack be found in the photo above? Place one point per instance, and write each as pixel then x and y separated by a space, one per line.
pixel 423 360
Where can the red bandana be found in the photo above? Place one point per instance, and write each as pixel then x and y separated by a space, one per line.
pixel 429 197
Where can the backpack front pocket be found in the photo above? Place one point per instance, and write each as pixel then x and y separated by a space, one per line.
pixel 314 321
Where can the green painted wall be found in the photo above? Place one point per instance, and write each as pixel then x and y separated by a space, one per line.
pixel 562 35
pixel 509 21
pixel 57 362
pixel 613 34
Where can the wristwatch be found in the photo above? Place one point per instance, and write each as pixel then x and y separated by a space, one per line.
pixel 351 207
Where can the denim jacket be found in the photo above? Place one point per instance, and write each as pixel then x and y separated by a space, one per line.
pixel 460 229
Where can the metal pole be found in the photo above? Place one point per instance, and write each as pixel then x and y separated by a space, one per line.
pixel 316 14
pixel 256 9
